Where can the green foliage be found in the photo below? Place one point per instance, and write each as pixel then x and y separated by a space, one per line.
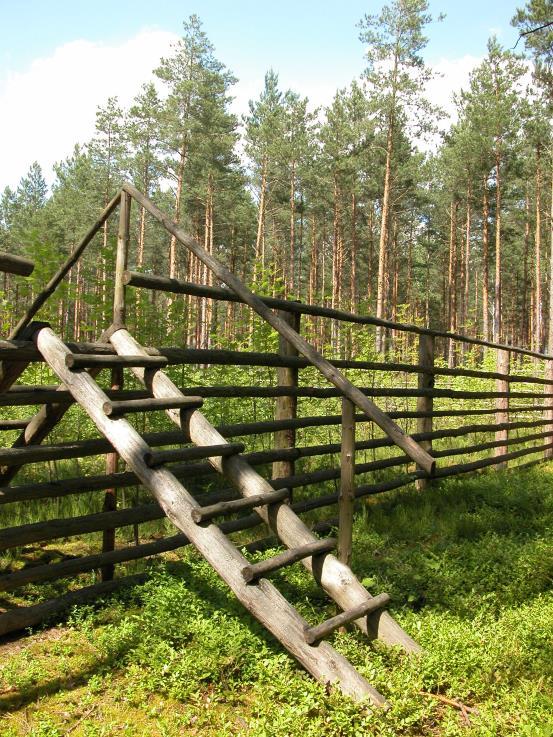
pixel 469 569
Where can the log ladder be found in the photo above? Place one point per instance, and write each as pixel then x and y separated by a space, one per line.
pixel 248 581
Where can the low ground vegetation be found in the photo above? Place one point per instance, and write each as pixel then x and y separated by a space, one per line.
pixel 469 568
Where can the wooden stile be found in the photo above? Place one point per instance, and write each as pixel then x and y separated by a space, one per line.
pixel 263 600
pixel 336 578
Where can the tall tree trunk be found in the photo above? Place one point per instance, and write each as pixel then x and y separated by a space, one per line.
pixel 467 258
pixel 353 269
pixel 370 255
pixel 259 240
pixel 550 332
pixel 290 277
pixel 177 212
pixel 497 304
pixel 486 261
pixel 538 339
pixel 381 281
pixel 524 306
pixel 452 279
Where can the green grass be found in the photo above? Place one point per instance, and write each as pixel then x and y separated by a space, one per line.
pixel 469 565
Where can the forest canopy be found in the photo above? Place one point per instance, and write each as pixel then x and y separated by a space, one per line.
pixel 343 206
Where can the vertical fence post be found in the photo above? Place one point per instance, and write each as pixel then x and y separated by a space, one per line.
pixel 548 413
pixel 502 403
pixel 346 499
pixel 425 404
pixel 123 234
pixel 286 407
pixel 112 459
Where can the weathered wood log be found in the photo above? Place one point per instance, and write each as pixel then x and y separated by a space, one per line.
pixel 14 424
pixel 12 264
pixel 286 408
pixel 254 571
pixel 157 458
pixel 494 461
pixel 115 409
pixel 425 404
pixel 403 441
pixel 76 361
pixel 347 482
pixel 323 630
pixel 336 578
pixel 502 403
pixel 24 617
pixel 25 350
pixel 40 395
pixel 264 601
pixel 205 514
pixel 16 456
pixel 74 566
pixel 468 449
pixel 15 537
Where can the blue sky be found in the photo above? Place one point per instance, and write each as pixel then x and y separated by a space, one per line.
pixel 58 58
pixel 279 33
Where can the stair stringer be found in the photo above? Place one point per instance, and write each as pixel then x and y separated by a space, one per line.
pixel 263 600
pixel 336 578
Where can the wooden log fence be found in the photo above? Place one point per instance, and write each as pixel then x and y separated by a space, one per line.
pixel 349 477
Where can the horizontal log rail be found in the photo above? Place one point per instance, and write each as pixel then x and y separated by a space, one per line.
pixel 64 487
pixel 174 286
pixel 37 395
pixel 26 350
pixel 15 537
pixel 11 264
pixel 21 618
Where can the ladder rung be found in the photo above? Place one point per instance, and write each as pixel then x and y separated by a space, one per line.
pixel 157 457
pixel 13 424
pixel 76 361
pixel 150 404
pixel 256 570
pixel 203 514
pixel 320 631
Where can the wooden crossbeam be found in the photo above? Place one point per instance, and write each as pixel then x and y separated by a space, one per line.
pixel 255 571
pixel 204 514
pixel 320 631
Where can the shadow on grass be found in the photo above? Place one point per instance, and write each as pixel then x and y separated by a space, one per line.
pixel 484 538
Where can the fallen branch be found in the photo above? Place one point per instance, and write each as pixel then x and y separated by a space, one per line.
pixel 455 703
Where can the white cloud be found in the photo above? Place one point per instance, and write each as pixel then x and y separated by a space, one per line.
pixel 50 106
pixel 452 75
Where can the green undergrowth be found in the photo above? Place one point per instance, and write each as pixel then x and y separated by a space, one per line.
pixel 469 566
